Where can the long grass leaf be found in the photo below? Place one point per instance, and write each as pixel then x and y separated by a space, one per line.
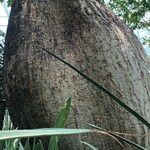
pixel 41 145
pixel 38 147
pixel 2 144
pixel 63 115
pixel 60 123
pixel 116 99
pixel 89 145
pixel 34 144
pixel 12 134
pixel 27 145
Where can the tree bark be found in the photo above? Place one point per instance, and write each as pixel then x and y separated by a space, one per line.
pixel 91 38
pixel 2 113
pixel 2 101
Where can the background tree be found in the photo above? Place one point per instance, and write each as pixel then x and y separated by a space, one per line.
pixel 91 38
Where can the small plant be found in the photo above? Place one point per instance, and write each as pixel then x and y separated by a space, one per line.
pixel 10 139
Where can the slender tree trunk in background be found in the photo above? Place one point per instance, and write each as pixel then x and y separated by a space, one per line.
pixel 91 38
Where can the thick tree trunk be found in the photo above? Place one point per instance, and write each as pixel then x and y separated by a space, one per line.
pixel 91 38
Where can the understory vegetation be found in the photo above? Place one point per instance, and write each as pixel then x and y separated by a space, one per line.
pixel 10 138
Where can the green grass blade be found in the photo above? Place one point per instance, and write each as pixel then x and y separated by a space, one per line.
pixel 63 115
pixel 116 99
pixel 40 146
pixel 89 145
pixel 16 144
pixel 27 145
pixel 21 146
pixel 60 123
pixel 2 144
pixel 53 145
pixel 9 145
pixel 13 134
pixel 34 143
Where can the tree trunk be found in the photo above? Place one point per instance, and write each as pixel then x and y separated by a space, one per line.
pixel 2 101
pixel 91 38
pixel 2 113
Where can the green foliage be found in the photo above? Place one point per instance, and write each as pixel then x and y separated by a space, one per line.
pixel 132 12
pixel 7 124
pixel 13 134
pixel 9 2
pixel 63 115
pixel 89 145
pixel 36 146
pixel 9 144
pixel 11 139
pixel 60 123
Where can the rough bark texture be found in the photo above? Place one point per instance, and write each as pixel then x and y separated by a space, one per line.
pixel 2 101
pixel 91 38
pixel 2 112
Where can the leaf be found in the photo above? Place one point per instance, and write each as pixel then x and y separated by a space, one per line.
pixel 116 99
pixel 39 146
pixel 12 134
pixel 63 115
pixel 2 142
pixel 89 145
pixel 27 145
pixel 9 2
pixel 33 146
pixel 9 144
pixel 16 144
pixel 21 146
pixel 53 145
pixel 60 123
